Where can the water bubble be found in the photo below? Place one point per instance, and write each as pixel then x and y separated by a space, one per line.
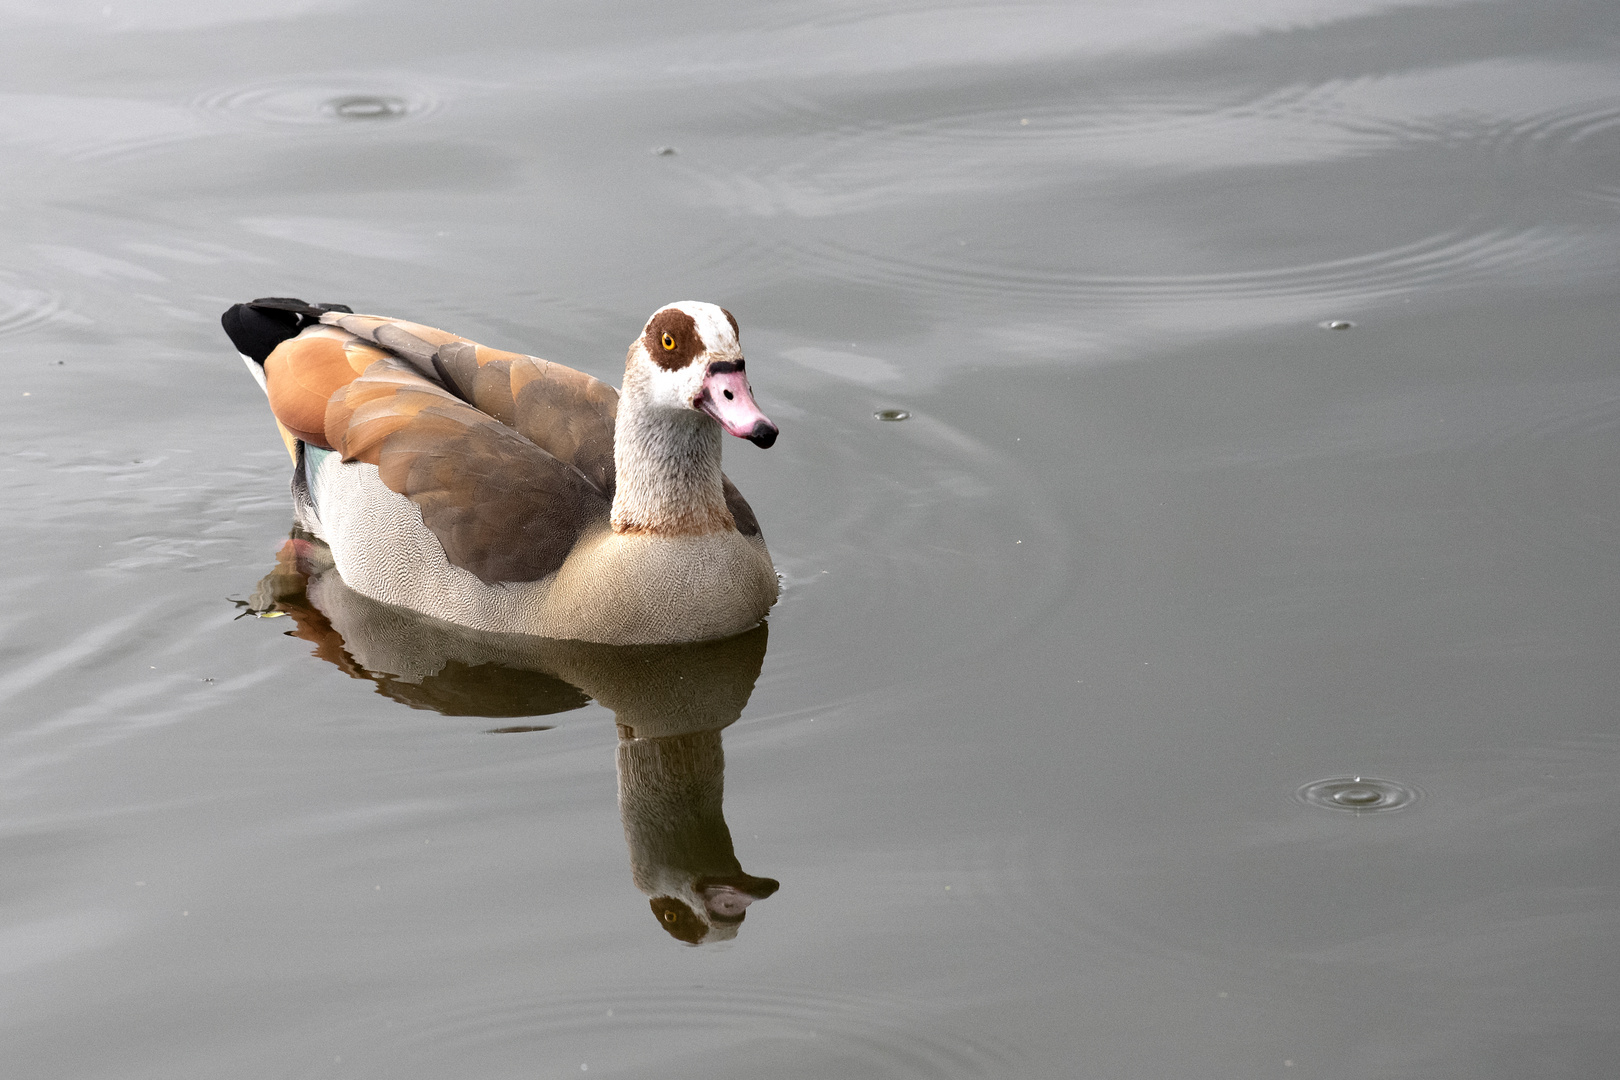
pixel 665 151
pixel 1337 324
pixel 367 107
pixel 892 414
pixel 1358 794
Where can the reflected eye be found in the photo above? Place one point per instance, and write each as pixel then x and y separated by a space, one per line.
pixel 669 343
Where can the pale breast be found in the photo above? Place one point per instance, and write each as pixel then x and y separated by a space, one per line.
pixel 641 588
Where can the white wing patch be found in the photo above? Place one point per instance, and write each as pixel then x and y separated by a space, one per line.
pixel 256 371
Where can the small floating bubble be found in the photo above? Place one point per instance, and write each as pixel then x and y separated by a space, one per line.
pixel 892 414
pixel 1359 794
pixel 519 729
pixel 367 107
pixel 665 151
pixel 1337 324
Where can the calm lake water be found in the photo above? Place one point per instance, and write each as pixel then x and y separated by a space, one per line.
pixel 1026 743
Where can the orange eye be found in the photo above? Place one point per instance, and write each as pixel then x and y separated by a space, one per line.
pixel 669 343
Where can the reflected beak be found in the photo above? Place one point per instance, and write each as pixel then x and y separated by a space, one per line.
pixel 727 398
pixel 725 904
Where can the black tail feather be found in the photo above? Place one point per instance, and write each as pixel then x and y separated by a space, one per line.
pixel 257 327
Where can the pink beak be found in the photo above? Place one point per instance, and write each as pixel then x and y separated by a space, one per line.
pixel 727 398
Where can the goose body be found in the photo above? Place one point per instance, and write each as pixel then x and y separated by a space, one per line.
pixel 506 493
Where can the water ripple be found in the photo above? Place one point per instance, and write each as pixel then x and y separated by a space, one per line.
pixel 1358 794
pixel 93 128
pixel 665 1027
pixel 843 157
pixel 386 99
pixel 1449 259
pixel 23 307
pixel 1579 146
pixel 948 543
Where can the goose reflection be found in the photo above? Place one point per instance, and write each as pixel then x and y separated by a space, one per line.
pixel 670 702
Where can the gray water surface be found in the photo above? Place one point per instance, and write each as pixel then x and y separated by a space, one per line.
pixel 1017 771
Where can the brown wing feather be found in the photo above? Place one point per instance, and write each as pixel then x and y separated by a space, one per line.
pixel 502 507
pixel 570 414
pixel 741 512
pixel 565 412
pixel 366 326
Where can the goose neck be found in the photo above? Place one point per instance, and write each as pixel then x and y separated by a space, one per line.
pixel 668 471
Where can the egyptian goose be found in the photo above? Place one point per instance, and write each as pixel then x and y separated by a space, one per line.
pixel 506 493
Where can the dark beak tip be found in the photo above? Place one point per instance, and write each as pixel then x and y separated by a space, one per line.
pixel 763 435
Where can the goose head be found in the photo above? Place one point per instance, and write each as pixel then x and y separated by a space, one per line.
pixel 689 358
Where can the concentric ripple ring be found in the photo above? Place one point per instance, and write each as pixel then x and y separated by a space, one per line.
pixel 317 100
pixel 1358 794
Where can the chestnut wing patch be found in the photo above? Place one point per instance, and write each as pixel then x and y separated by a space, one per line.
pixel 501 507
pixel 303 372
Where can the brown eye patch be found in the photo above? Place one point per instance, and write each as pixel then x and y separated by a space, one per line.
pixel 672 327
pixel 681 921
